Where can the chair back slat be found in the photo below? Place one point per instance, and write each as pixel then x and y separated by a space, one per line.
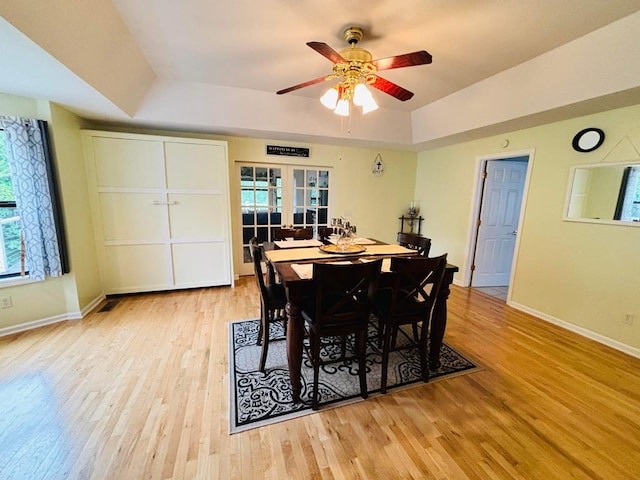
pixel 256 256
pixel 295 233
pixel 416 242
pixel 324 233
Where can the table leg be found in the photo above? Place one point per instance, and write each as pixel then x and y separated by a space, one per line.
pixel 295 339
pixel 439 321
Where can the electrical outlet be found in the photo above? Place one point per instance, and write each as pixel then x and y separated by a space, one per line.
pixel 5 302
pixel 628 319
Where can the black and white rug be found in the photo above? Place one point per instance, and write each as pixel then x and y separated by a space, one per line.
pixel 259 399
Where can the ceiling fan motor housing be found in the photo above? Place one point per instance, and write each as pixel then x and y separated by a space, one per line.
pixel 359 60
pixel 356 54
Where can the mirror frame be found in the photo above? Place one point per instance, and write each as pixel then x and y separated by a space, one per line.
pixel 569 191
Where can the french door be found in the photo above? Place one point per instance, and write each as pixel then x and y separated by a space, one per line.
pixel 277 195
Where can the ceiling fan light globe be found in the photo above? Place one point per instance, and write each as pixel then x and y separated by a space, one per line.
pixel 370 105
pixel 330 98
pixel 342 108
pixel 360 95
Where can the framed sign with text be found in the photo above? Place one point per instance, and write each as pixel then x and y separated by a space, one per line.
pixel 287 151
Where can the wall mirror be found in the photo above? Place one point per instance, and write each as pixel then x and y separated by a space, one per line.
pixel 604 193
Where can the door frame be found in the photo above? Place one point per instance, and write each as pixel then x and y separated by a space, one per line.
pixel 481 161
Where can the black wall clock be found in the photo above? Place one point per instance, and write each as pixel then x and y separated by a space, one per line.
pixel 588 140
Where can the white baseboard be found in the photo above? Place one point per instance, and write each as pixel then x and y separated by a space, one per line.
pixel 91 305
pixel 635 352
pixel 23 327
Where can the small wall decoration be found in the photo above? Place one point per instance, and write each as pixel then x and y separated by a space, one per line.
pixel 377 168
pixel 281 150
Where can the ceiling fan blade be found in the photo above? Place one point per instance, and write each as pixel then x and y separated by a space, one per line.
pixel 392 89
pixel 302 85
pixel 327 51
pixel 407 60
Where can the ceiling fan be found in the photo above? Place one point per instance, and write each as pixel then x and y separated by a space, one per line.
pixel 355 66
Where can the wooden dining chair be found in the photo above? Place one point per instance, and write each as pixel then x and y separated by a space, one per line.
pixel 416 242
pixel 295 233
pixel 272 302
pixel 341 306
pixel 422 245
pixel 324 233
pixel 409 301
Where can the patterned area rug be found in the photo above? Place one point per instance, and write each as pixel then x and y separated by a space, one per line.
pixel 259 399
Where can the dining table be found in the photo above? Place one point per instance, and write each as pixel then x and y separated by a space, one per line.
pixel 293 267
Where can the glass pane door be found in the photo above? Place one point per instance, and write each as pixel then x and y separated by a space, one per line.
pixel 261 204
pixel 277 195
pixel 311 198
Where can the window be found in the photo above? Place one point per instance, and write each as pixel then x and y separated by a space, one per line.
pixel 10 228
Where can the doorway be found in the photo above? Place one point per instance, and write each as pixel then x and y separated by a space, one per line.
pixel 499 205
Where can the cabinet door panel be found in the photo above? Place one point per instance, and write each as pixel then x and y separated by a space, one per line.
pixel 137 268
pixel 129 163
pixel 197 167
pixel 132 216
pixel 197 216
pixel 200 264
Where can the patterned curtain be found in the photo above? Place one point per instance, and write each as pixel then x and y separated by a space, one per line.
pixel 27 155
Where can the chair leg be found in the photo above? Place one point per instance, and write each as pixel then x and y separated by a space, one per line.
pixel 265 339
pixel 394 337
pixel 361 339
pixel 261 327
pixel 385 357
pixel 416 336
pixel 424 358
pixel 315 361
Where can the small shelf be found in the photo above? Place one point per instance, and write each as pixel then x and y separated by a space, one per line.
pixel 412 222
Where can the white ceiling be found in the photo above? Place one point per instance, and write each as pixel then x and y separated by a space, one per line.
pixel 261 45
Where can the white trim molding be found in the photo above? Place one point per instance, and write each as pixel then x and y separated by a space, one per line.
pixel 635 352
pixel 23 327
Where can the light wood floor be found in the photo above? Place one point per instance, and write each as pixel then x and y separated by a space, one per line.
pixel 142 392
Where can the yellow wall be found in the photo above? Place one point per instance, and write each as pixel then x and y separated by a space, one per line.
pixel 584 275
pixel 76 209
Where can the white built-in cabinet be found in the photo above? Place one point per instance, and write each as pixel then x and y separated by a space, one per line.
pixel 161 211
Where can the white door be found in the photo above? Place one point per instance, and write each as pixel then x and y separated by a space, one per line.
pixel 162 211
pixel 499 217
